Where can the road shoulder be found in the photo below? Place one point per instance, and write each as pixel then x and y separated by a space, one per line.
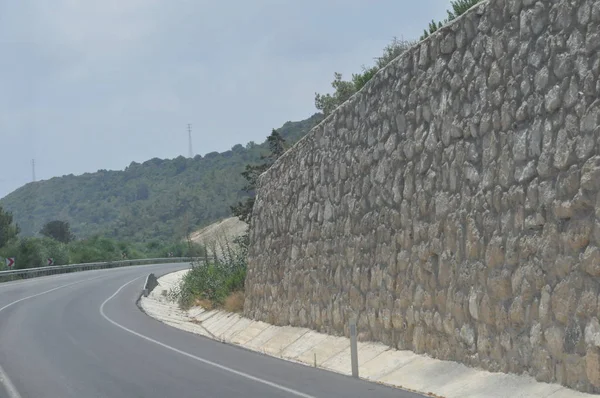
pixel 377 362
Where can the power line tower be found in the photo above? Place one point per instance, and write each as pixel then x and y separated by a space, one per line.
pixel 33 170
pixel 191 152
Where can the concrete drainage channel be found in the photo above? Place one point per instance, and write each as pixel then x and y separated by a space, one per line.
pixel 216 324
pixel 377 362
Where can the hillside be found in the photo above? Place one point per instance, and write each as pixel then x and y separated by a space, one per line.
pixel 217 237
pixel 158 199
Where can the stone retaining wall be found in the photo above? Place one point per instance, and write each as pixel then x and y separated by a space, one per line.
pixel 452 205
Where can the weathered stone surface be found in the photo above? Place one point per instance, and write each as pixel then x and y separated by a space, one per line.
pixel 590 174
pixel 592 333
pixel 453 203
pixel 592 365
pixel 575 371
pixel 587 304
pixel 563 302
pixel 590 260
pixel 542 363
pixel 554 337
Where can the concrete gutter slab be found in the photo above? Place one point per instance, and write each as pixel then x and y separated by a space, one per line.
pixel 377 362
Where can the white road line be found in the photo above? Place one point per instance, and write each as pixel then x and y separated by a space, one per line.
pixel 46 292
pixel 8 385
pixel 4 379
pixel 205 361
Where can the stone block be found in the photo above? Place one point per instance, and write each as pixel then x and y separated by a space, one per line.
pixel 592 365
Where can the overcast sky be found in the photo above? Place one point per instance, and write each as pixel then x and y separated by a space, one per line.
pixel 88 85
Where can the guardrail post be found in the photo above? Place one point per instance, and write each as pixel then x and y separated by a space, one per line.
pixel 353 348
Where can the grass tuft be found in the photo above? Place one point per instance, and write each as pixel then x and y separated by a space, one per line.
pixel 234 302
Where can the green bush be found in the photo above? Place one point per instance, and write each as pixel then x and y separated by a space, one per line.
pixel 459 7
pixel 33 252
pixel 213 281
pixel 214 278
pixel 94 249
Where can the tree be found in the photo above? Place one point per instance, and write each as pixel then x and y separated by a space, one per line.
pixel 237 148
pixel 142 192
pixel 243 209
pixel 58 230
pixel 277 147
pixel 8 230
pixel 392 51
pixel 459 7
pixel 343 90
pixel 433 27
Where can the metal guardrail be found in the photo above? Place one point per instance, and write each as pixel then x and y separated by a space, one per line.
pixel 26 273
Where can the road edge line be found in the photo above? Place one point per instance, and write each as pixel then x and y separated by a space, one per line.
pixel 8 385
pixel 4 379
pixel 205 361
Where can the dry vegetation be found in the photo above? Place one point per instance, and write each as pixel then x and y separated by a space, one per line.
pixel 234 302
pixel 216 281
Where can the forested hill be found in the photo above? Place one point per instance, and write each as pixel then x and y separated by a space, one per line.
pixel 156 199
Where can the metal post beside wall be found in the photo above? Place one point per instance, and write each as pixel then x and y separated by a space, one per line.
pixel 353 348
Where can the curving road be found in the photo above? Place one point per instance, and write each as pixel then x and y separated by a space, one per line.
pixel 82 335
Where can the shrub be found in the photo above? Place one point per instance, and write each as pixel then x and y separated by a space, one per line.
pixel 34 252
pixel 216 277
pixel 459 7
pixel 234 302
pixel 31 252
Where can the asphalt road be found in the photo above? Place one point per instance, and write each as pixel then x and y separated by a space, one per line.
pixel 82 335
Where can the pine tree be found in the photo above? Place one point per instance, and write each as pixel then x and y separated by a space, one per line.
pixel 459 7
pixel 58 230
pixel 277 147
pixel 8 230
